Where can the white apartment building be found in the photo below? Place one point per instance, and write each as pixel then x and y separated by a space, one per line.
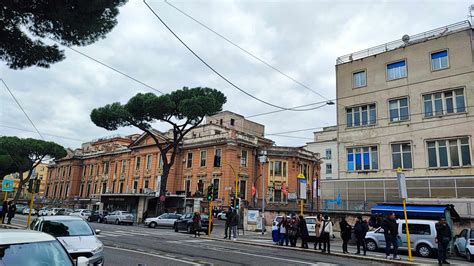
pixel 325 143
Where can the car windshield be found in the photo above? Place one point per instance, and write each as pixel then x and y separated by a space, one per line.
pixel 204 217
pixel 310 220
pixel 39 253
pixel 67 228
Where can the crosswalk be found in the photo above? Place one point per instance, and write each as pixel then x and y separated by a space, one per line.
pixel 119 233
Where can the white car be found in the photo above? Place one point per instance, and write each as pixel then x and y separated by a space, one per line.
pixel 83 213
pixel 54 211
pixel 166 219
pixel 222 216
pixel 311 225
pixel 29 248
pixel 464 244
pixel 43 211
pixel 27 210
pixel 119 217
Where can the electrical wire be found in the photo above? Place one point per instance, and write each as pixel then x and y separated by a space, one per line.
pixel 45 134
pixel 278 111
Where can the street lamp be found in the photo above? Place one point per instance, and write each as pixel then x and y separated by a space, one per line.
pixel 263 160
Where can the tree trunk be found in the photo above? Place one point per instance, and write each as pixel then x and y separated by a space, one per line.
pixel 20 186
pixel 160 205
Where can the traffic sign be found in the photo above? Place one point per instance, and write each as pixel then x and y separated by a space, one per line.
pixel 7 184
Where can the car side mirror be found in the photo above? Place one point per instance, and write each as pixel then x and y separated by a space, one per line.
pixel 97 231
pixel 82 261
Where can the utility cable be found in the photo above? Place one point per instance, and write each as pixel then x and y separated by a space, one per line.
pixel 45 134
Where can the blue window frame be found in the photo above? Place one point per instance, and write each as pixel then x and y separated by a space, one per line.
pixel 439 60
pixel 396 70
pixel 362 159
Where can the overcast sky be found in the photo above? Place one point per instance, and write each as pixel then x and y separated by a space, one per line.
pixel 302 38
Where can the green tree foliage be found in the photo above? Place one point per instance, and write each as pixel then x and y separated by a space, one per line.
pixel 23 155
pixel 182 109
pixel 24 23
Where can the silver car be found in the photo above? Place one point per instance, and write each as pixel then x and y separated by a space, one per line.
pixel 119 217
pixel 76 235
pixel 166 219
pixel 422 236
pixel 464 244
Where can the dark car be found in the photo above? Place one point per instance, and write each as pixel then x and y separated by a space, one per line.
pixel 185 222
pixel 97 216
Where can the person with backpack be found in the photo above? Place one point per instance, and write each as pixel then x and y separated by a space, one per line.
pixel 325 232
pixel 346 231
pixel 304 234
pixel 293 230
pixel 360 229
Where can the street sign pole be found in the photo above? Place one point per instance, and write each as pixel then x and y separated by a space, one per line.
pixel 210 219
pixel 402 190
pixel 31 207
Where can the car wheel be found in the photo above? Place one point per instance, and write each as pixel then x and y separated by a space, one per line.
pixel 175 228
pixel 99 220
pixel 117 221
pixel 469 256
pixel 189 229
pixel 370 245
pixel 152 225
pixel 424 251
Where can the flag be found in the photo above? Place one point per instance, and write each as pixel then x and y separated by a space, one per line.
pixel 283 189
pixel 254 190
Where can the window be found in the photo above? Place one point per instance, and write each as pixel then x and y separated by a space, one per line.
pixel 417 229
pixel 278 168
pixel 232 122
pixel 147 183
pixel 187 186
pixel 104 188
pixel 149 159
pixel 200 186
pixel 243 158
pixel 361 115
pixel 135 186
pixel 124 164
pixel 398 110
pixel 277 195
pixel 121 187
pixel 215 182
pixel 396 70
pixel 106 168
pixel 84 171
pixel 242 188
pixel 88 189
pixel 362 159
pixel 137 163
pixel 217 158
pixel 439 60
pixel 203 158
pixel 69 170
pixel 359 79
pixel 328 154
pixel 442 103
pixel 449 152
pixel 328 168
pixel 160 162
pixel 189 161
pixel 91 169
pixel 401 156
pixel 67 228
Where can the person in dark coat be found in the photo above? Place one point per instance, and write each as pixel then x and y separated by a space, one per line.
pixel 228 228
pixel 390 231
pixel 197 224
pixel 293 229
pixel 304 234
pixel 234 223
pixel 4 210
pixel 11 211
pixel 443 237
pixel 360 229
pixel 346 231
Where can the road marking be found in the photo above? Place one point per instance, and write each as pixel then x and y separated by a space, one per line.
pixel 154 255
pixel 189 241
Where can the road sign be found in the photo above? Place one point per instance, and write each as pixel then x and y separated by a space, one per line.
pixel 402 184
pixel 302 194
pixel 301 176
pixel 7 184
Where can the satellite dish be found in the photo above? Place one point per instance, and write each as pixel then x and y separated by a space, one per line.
pixel 406 38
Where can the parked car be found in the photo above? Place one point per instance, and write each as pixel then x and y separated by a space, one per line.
pixel 83 213
pixel 278 219
pixel 27 210
pixel 76 235
pixel 119 217
pixel 222 216
pixel 464 244
pixel 19 208
pixel 55 211
pixel 311 224
pixel 166 219
pixel 64 211
pixel 97 216
pixel 30 248
pixel 43 211
pixel 185 222
pixel 422 235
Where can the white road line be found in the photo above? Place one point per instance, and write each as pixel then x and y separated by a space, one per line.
pixel 154 255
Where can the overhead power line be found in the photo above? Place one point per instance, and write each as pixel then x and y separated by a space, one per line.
pixel 278 111
pixel 22 109
pixel 213 69
pixel 45 134
pixel 247 52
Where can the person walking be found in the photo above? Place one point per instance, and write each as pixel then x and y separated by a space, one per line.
pixel 4 210
pixel 197 224
pixel 346 231
pixel 293 230
pixel 234 223
pixel 11 211
pixel 325 232
pixel 390 231
pixel 283 226
pixel 304 234
pixel 443 237
pixel 228 228
pixel 360 229
pixel 317 228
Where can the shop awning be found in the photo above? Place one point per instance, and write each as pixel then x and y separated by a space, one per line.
pixel 417 211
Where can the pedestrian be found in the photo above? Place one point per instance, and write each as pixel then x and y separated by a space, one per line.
pixel 228 228
pixel 4 210
pixel 293 230
pixel 234 223
pixel 443 237
pixel 11 211
pixel 145 215
pixel 197 224
pixel 325 232
pixel 283 226
pixel 346 231
pixel 304 234
pixel 360 229
pixel 275 234
pixel 390 230
pixel 317 228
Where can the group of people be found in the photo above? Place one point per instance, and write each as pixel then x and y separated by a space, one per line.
pixel 8 210
pixel 231 224
pixel 360 231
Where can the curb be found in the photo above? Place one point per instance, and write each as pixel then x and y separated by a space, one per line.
pixel 339 254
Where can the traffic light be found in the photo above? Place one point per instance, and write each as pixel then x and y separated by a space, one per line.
pixel 237 203
pixel 30 185
pixel 215 193
pixel 232 201
pixel 37 187
pixel 209 193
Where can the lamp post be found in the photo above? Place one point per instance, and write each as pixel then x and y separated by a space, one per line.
pixel 263 160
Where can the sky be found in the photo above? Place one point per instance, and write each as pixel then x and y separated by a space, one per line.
pixel 301 38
